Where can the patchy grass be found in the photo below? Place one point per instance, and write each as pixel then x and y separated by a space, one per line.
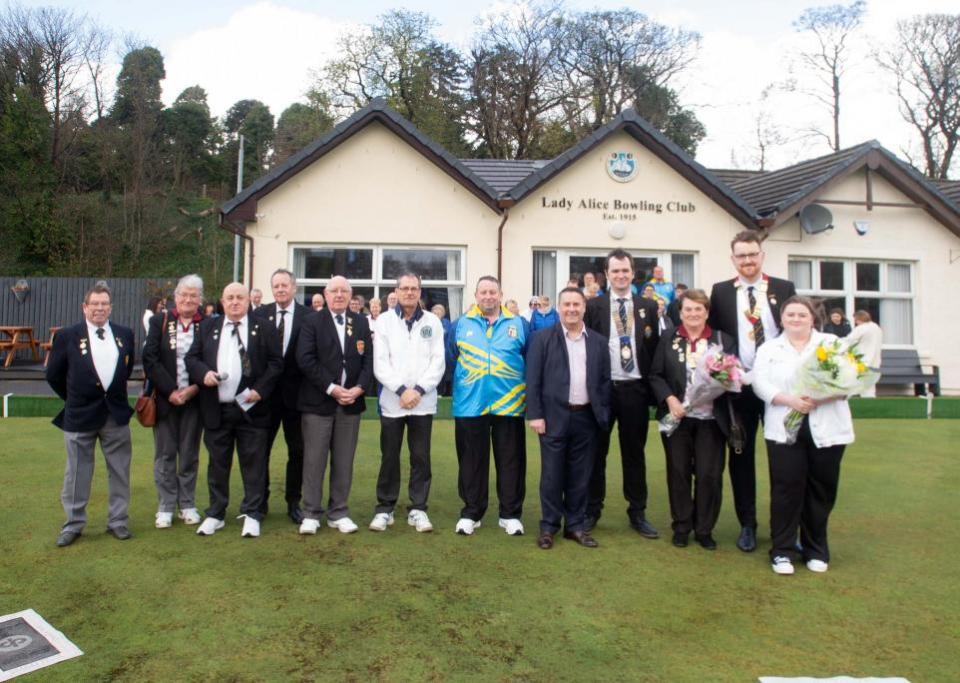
pixel 398 606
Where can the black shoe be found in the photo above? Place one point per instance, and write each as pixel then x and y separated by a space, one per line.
pixel 707 542
pixel 294 513
pixel 66 538
pixel 121 533
pixel 748 539
pixel 590 523
pixel 680 538
pixel 644 528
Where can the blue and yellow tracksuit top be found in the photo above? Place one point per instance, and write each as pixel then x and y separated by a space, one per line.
pixel 489 377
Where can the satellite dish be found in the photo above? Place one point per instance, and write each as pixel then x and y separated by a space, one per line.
pixel 815 218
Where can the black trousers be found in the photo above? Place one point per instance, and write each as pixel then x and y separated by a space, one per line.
pixel 565 466
pixel 630 409
pixel 695 475
pixel 743 474
pixel 419 429
pixel 290 419
pixel 473 436
pixel 251 444
pixel 803 489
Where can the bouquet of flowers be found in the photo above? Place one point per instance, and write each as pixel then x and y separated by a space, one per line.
pixel 832 369
pixel 715 373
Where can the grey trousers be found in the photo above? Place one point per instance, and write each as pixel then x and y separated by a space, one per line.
pixel 323 435
pixel 78 476
pixel 177 434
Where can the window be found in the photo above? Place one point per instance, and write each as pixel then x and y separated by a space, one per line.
pixel 882 289
pixel 373 271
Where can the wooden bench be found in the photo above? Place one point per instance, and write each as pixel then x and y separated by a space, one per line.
pixel 902 366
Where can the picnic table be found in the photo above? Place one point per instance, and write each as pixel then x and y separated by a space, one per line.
pixel 16 337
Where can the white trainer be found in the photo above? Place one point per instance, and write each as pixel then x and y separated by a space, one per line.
pixel 251 527
pixel 419 520
pixel 190 516
pixel 344 525
pixel 309 526
pixel 513 527
pixel 818 566
pixel 210 526
pixel 164 520
pixel 466 526
pixel 782 565
pixel 381 521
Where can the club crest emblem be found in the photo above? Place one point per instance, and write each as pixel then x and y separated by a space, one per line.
pixel 512 332
pixel 426 332
pixel 622 167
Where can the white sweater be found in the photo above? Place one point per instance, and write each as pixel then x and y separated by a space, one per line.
pixel 773 371
pixel 408 358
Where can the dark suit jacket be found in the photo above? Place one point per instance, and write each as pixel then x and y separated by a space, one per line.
pixel 160 359
pixel 72 375
pixel 723 305
pixel 668 376
pixel 266 366
pixel 321 361
pixel 548 379
pixel 289 390
pixel 597 318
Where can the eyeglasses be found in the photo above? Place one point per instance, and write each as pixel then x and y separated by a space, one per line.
pixel 535 303
pixel 745 257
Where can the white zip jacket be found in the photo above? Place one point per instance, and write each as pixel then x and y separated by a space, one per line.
pixel 773 370
pixel 408 358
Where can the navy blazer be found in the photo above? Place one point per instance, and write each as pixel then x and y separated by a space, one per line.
pixel 160 358
pixel 548 379
pixel 668 376
pixel 289 391
pixel 646 332
pixel 72 375
pixel 322 361
pixel 266 366
pixel 723 305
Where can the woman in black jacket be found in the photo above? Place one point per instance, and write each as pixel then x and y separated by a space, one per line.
pixel 838 323
pixel 695 450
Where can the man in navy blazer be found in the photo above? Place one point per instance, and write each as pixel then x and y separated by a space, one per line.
pixel 568 404
pixel 89 366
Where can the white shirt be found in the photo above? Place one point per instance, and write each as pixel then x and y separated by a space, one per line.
pixel 616 370
pixel 746 346
pixel 773 373
pixel 341 335
pixel 408 358
pixel 287 324
pixel 184 342
pixel 869 340
pixel 228 358
pixel 577 360
pixel 104 353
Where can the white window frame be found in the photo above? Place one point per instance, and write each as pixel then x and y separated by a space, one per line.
pixel 850 293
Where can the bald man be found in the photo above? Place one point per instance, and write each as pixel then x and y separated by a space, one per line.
pixel 237 360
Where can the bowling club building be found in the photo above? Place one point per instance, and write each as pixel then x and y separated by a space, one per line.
pixel 374 197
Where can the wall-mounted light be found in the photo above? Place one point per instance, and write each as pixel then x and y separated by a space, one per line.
pixel 20 290
pixel 862 227
pixel 618 231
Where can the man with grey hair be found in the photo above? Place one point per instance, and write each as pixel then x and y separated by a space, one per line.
pixel 287 315
pixel 256 296
pixel 336 358
pixel 89 366
pixel 176 435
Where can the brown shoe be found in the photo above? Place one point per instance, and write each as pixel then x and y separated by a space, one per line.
pixel 545 540
pixel 581 537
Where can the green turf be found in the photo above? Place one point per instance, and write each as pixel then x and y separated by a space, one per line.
pixel 399 606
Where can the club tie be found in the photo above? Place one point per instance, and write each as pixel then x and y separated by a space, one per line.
pixel 244 359
pixel 100 333
pixel 339 317
pixel 626 353
pixel 282 327
pixel 758 337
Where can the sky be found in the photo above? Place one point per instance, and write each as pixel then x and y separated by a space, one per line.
pixel 267 49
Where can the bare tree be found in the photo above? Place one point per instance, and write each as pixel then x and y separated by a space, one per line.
pixel 832 27
pixel 925 61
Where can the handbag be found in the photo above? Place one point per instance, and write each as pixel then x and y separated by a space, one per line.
pixel 146 405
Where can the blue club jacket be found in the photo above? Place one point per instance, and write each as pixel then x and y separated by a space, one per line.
pixel 489 374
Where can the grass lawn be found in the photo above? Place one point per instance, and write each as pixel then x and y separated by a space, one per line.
pixel 398 606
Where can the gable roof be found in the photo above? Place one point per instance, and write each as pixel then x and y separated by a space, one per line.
pixel 779 195
pixel 664 148
pixel 243 206
pixel 504 174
